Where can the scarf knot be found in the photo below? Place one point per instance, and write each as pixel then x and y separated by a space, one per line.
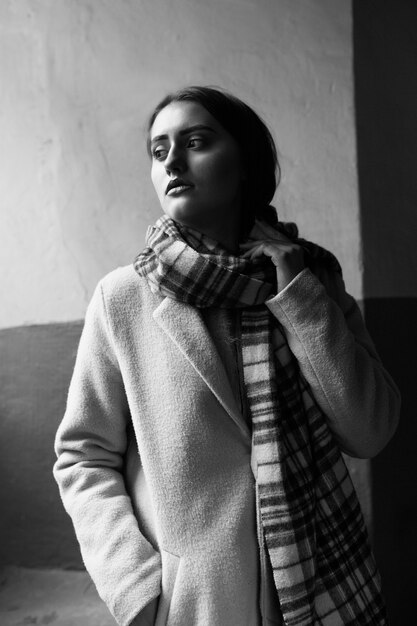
pixel 202 274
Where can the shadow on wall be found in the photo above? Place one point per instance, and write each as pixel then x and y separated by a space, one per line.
pixel 385 49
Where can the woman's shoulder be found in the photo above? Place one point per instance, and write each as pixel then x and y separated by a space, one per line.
pixel 321 261
pixel 124 287
pixel 119 280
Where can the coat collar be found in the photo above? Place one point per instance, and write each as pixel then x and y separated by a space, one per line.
pixel 184 325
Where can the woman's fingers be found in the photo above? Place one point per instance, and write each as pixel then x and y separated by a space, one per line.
pixel 282 253
pixel 248 245
pixel 256 248
pixel 287 257
pixel 252 250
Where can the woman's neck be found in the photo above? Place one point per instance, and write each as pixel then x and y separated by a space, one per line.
pixel 227 237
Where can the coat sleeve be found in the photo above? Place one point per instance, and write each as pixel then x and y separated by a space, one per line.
pixel 336 355
pixel 90 444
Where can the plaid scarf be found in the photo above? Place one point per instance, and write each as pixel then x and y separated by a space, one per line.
pixel 313 528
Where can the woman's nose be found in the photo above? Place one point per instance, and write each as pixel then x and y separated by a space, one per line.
pixel 175 161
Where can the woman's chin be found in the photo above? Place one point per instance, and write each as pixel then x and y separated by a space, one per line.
pixel 186 220
pixel 183 212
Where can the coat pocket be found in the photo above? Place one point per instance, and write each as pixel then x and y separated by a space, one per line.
pixel 170 564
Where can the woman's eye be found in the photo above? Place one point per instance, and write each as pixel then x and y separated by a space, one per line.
pixel 195 142
pixel 159 153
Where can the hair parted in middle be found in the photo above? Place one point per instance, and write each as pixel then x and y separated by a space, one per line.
pixel 255 142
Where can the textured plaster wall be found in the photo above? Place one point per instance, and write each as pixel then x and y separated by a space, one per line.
pixel 78 81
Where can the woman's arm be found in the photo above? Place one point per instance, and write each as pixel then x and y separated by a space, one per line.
pixel 90 445
pixel 326 333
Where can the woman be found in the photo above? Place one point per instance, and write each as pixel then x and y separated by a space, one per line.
pixel 216 382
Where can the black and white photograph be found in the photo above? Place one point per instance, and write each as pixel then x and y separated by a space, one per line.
pixel 208 269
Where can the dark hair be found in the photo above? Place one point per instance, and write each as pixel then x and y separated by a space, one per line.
pixel 256 145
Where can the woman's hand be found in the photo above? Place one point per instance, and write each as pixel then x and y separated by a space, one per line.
pixel 287 256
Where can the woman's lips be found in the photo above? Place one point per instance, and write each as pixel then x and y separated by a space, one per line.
pixel 178 190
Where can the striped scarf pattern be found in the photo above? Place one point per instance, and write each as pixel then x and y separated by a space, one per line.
pixel 323 567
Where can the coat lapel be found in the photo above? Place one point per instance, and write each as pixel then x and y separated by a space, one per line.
pixel 184 325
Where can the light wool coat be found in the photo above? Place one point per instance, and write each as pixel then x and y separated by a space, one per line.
pixel 154 456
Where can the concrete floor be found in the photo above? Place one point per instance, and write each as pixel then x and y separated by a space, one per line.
pixel 56 597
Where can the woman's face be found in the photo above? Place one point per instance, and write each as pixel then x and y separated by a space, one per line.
pixel 196 169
